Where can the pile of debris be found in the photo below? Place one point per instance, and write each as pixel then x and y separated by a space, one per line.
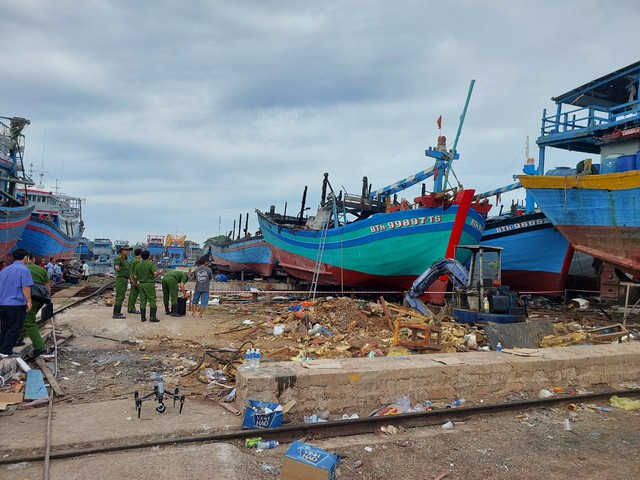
pixel 346 327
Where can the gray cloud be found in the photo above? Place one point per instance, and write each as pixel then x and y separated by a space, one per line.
pixel 167 115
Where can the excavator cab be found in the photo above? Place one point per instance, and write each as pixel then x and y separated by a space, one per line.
pixel 478 293
pixel 485 299
pixel 484 275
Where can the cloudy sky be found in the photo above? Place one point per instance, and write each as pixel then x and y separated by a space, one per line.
pixel 177 117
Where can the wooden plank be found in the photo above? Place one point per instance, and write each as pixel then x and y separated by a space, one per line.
pixel 50 377
pixel 35 387
pixel 387 313
pixel 409 313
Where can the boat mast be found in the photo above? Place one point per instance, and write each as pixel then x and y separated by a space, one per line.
pixel 455 142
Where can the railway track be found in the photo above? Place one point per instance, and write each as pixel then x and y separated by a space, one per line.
pixel 330 429
pixel 81 296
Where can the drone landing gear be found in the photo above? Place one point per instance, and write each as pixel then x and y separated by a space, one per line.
pixel 160 396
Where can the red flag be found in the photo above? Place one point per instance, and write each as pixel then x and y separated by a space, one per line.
pixel 440 122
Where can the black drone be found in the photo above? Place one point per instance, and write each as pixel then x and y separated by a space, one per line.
pixel 160 396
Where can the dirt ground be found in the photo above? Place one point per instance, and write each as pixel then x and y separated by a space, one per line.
pixel 102 361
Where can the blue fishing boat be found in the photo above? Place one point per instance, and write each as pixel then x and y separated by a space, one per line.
pixel 155 245
pixel 248 255
pixel 103 247
pixel 595 205
pixel 529 268
pixel 84 252
pixel 14 214
pixel 174 250
pixel 55 227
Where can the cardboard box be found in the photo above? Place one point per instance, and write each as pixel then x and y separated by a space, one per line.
pixel 305 462
pixel 262 415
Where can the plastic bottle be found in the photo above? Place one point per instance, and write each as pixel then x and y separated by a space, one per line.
pixel 311 419
pixel 499 348
pixel 486 304
pixel 247 359
pixel 268 444
pixel 257 356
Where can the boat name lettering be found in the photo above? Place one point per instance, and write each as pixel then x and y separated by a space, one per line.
pixel 407 222
pixel 475 224
pixel 528 223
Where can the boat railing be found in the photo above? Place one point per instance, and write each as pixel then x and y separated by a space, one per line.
pixel 356 201
pixel 590 118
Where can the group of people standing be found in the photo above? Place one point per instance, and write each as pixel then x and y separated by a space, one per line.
pixel 17 309
pixel 140 273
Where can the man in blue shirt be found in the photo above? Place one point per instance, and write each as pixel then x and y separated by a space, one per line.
pixel 15 300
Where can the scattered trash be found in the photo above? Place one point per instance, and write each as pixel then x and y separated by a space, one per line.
pixel 389 429
pixel 567 425
pixel 471 341
pixel 349 417
pixel 212 374
pixel 389 409
pixel 358 463
pixel 404 403
pixel 624 403
pixel 545 393
pixel 302 460
pixel 317 418
pixel 265 467
pixel 580 303
pixel 278 329
pixel 252 442
pixel 448 426
pixel 266 445
pixel 231 396
pixel 368 449
pixel 262 415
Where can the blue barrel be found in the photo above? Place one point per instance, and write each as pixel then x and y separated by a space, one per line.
pixel 626 163
pixel 608 164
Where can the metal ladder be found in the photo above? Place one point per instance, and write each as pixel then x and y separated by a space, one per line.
pixel 318 265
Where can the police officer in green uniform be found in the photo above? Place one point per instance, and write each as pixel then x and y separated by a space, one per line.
pixel 122 266
pixel 144 275
pixel 170 282
pixel 133 293
pixel 39 275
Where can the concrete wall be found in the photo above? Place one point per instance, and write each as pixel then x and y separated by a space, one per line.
pixel 361 385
